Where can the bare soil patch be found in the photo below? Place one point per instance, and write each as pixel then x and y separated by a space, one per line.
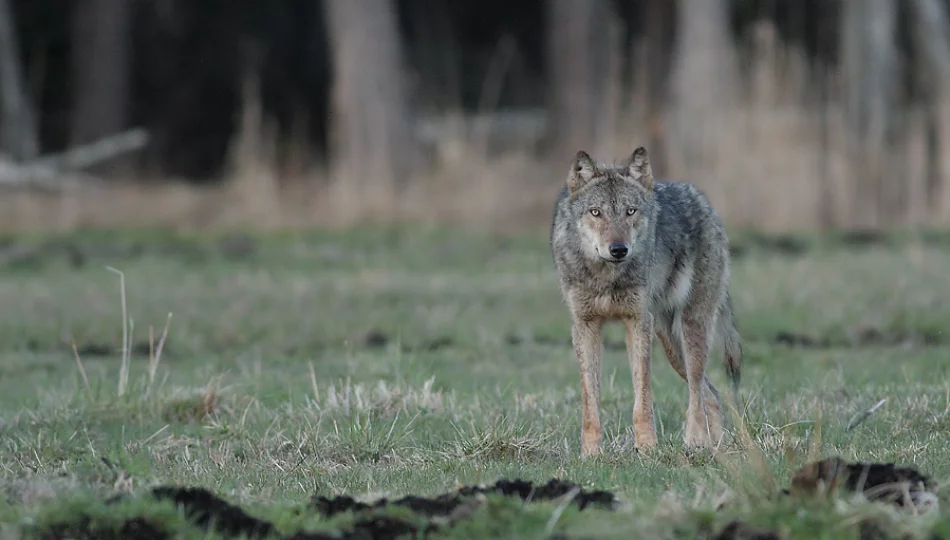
pixel 883 482
pixel 210 512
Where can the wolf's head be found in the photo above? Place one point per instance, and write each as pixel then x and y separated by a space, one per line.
pixel 613 205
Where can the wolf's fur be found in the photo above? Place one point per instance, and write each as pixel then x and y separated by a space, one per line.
pixel 673 281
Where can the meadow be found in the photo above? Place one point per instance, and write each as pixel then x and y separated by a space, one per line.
pixel 411 360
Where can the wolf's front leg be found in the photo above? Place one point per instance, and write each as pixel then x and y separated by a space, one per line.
pixel 639 345
pixel 586 336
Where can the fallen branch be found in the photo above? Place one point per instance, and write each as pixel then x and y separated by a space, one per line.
pixel 58 171
pixel 104 149
pixel 20 175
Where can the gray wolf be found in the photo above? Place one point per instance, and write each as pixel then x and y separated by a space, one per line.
pixel 654 256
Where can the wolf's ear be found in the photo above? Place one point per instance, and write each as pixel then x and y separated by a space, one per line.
pixel 582 170
pixel 639 168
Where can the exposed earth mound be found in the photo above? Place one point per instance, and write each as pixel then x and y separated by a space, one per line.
pixel 209 511
pixel 445 504
pixel 885 482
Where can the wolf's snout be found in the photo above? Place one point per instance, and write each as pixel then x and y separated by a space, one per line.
pixel 618 250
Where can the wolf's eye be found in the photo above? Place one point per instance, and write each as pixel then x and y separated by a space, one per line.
pixel 595 212
pixel 631 211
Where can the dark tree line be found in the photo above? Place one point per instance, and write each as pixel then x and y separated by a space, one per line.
pixel 176 67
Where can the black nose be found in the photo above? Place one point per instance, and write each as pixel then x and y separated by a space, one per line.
pixel 618 250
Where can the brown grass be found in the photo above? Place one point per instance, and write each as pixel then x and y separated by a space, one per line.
pixel 765 174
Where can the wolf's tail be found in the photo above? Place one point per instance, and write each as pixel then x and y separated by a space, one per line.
pixel 732 344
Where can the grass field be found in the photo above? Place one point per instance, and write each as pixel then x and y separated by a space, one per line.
pixel 386 363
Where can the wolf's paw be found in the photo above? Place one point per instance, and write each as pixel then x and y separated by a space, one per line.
pixel 699 434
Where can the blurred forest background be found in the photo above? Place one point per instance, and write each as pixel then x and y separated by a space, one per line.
pixel 790 114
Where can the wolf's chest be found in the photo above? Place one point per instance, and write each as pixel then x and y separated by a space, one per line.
pixel 611 303
pixel 616 306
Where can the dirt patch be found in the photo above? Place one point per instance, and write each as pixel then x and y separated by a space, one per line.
pixel 210 512
pixel 791 246
pixel 83 529
pixel 799 341
pixel 548 341
pixel 782 244
pixel 778 244
pixel 93 349
pixel 207 509
pixel 435 344
pixel 377 339
pixel 372 340
pixel 864 238
pixel 737 530
pixel 76 252
pixel 445 504
pixel 902 486
pixel 22 256
pixel 236 247
pixel 861 336
pixel 142 348
pixel 542 340
pixel 874 337
pixel 885 482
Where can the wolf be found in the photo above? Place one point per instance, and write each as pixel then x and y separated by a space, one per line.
pixel 654 256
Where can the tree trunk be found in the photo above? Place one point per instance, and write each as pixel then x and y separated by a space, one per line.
pixel 371 138
pixel 579 45
pixel 18 135
pixel 100 58
pixel 869 73
pixel 654 71
pixel 704 75
pixel 933 68
pixel 826 193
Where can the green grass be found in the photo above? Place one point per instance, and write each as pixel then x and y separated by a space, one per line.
pixel 268 390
